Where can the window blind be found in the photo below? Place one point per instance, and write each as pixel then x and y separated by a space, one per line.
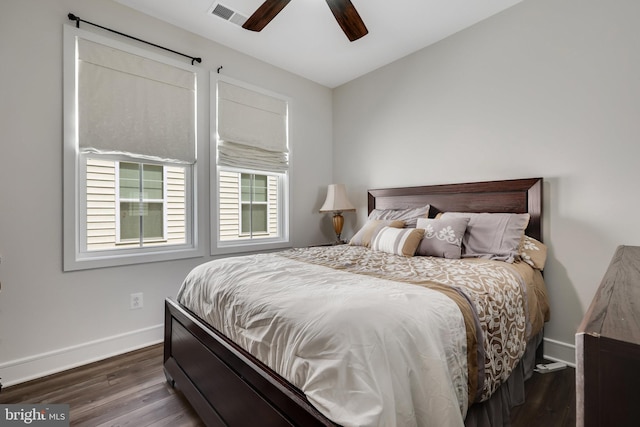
pixel 252 129
pixel 128 104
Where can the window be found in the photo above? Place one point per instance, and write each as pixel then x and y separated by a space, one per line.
pixel 129 154
pixel 130 204
pixel 141 203
pixel 254 205
pixel 248 206
pixel 250 209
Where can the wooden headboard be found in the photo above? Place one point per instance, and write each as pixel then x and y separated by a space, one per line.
pixel 510 196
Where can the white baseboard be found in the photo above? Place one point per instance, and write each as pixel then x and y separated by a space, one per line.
pixel 559 351
pixel 32 367
pixel 37 366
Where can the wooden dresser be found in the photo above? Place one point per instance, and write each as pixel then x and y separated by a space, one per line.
pixel 608 347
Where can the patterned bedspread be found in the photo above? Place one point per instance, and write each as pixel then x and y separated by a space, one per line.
pixel 508 301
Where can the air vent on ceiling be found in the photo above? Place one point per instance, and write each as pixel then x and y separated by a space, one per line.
pixel 227 14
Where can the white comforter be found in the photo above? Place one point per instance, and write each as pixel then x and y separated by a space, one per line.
pixel 364 350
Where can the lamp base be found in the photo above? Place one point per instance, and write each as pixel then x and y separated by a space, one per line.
pixel 338 223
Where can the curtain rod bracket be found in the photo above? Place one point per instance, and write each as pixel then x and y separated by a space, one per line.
pixel 219 68
pixel 73 17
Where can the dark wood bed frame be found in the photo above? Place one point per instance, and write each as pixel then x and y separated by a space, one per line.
pixel 227 386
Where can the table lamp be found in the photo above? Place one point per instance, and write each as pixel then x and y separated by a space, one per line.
pixel 337 202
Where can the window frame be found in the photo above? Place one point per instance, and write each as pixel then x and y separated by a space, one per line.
pixel 259 242
pixel 75 253
pixel 252 203
pixel 220 247
pixel 142 240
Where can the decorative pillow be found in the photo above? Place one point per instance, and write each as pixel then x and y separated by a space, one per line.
pixel 409 215
pixel 442 237
pixel 492 235
pixel 397 241
pixel 365 235
pixel 533 252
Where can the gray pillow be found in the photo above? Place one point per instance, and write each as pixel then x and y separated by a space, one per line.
pixel 492 235
pixel 408 215
pixel 442 237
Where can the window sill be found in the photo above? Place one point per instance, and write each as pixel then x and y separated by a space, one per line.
pixel 224 248
pixel 109 259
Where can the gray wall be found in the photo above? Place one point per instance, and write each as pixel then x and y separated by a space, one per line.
pixel 50 319
pixel 547 88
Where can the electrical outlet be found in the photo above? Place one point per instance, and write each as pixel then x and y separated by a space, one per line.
pixel 136 301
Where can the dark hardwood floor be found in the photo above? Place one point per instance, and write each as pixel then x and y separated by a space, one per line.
pixel 550 401
pixel 126 390
pixel 130 390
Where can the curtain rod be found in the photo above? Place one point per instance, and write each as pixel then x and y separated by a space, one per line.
pixel 73 17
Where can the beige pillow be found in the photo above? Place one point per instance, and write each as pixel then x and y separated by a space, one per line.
pixel 397 241
pixel 533 252
pixel 409 215
pixel 365 235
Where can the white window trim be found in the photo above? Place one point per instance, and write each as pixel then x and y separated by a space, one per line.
pixel 219 247
pixel 75 255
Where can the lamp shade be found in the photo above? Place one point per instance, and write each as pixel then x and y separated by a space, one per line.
pixel 337 200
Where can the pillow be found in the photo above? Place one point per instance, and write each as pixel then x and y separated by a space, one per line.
pixel 533 252
pixel 409 215
pixel 397 241
pixel 492 235
pixel 368 231
pixel 442 237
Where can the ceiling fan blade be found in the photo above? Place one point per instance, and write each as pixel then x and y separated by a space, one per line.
pixel 348 19
pixel 264 14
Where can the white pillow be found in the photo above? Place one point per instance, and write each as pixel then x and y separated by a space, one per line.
pixel 370 229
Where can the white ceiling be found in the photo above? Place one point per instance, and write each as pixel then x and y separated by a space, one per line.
pixel 305 38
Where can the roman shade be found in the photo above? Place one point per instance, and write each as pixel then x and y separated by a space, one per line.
pixel 252 129
pixel 129 104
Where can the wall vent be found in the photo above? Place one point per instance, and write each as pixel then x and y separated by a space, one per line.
pixel 228 14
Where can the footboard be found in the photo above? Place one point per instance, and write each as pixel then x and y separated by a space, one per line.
pixel 226 385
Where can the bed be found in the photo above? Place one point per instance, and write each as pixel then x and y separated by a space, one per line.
pixel 233 382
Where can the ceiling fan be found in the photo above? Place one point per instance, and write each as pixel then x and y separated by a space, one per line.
pixel 343 10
